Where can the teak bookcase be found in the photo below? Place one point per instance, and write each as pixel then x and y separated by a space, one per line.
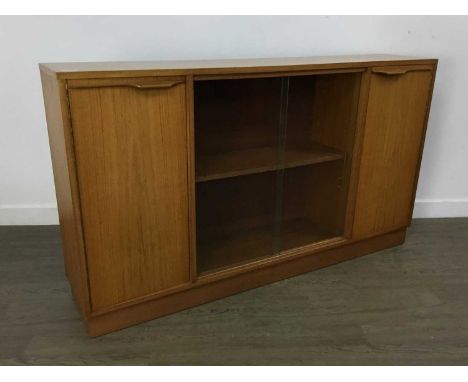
pixel 183 182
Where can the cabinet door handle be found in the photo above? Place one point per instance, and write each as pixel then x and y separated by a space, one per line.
pixel 157 85
pixel 398 71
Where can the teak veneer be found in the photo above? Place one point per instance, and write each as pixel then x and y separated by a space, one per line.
pixel 180 182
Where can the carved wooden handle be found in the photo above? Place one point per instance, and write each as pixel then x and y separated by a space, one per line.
pixel 397 71
pixel 157 85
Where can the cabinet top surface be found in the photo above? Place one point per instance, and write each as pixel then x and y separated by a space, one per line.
pixel 71 70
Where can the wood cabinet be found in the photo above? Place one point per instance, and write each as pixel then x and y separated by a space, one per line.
pixel 182 182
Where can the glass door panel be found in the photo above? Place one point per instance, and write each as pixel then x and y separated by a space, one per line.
pixel 237 155
pixel 321 120
pixel 272 164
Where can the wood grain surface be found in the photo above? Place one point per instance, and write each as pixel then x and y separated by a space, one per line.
pixel 66 187
pixel 395 122
pixel 131 150
pixel 71 70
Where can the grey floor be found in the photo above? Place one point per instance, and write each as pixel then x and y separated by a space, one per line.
pixel 407 305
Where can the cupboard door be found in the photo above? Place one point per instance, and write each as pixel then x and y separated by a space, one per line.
pixel 393 135
pixel 131 151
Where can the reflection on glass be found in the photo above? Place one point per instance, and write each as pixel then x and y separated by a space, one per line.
pixel 272 164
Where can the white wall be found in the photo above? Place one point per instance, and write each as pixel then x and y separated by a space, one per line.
pixel 26 182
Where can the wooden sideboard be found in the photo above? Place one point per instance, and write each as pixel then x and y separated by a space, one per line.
pixel 181 182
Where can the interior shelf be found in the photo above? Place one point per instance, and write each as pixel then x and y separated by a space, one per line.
pixel 261 159
pixel 234 248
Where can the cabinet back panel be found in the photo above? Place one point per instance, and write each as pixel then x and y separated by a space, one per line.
pixel 316 193
pixel 322 109
pixel 244 203
pixel 131 151
pixel 236 114
pixel 236 220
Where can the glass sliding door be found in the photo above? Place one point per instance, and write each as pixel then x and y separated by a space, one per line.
pixel 322 113
pixel 237 125
pixel 272 164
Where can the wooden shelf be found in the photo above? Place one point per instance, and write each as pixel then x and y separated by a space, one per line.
pixel 262 159
pixel 234 248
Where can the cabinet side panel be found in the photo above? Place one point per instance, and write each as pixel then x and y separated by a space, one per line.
pixel 394 129
pixel 132 164
pixel 61 148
